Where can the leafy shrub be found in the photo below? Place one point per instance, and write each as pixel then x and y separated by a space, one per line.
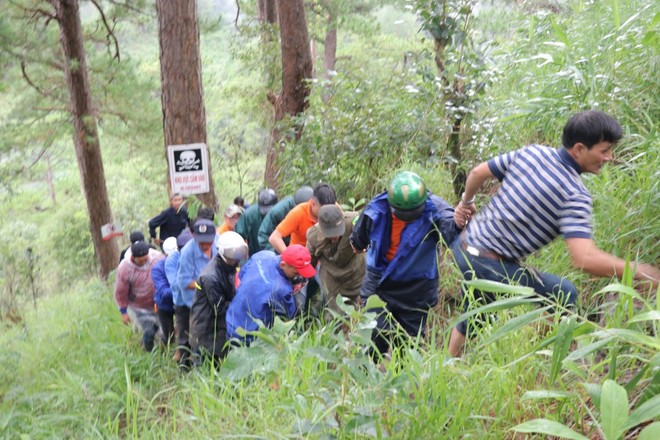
pixel 19 268
pixel 68 242
pixel 352 141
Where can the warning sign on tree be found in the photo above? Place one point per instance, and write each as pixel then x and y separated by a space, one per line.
pixel 110 230
pixel 188 168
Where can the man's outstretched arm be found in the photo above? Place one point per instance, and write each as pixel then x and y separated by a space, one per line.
pixel 586 256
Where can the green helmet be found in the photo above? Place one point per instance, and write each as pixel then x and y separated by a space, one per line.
pixel 407 195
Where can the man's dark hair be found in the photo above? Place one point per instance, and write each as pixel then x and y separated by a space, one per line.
pixel 205 212
pixel 238 200
pixel 590 128
pixel 139 249
pixel 136 236
pixel 325 194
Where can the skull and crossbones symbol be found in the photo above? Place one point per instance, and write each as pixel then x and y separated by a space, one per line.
pixel 188 161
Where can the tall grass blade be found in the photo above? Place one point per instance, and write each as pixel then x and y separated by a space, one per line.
pixel 614 356
pixel 495 287
pixel 559 32
pixel 631 337
pixel 562 345
pixel 4 422
pixel 648 316
pixel 515 323
pixel 651 432
pixel 615 14
pixel 502 304
pixel 652 388
pixel 588 349
pixel 622 288
pixel 548 427
pixel 648 410
pixel 545 394
pixel 632 383
pixel 613 409
pixel 595 391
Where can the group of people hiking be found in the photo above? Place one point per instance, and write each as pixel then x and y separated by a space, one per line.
pixel 300 254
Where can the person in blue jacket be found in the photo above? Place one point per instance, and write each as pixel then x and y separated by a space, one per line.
pixel 163 294
pixel 267 285
pixel 195 255
pixel 401 230
pixel 171 271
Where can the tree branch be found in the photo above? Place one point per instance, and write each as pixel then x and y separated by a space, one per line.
pixel 4 47
pixel 32 84
pixel 111 34
pixel 35 13
pixel 238 12
pixel 122 117
pixel 52 109
pixel 39 156
pixel 272 98
pixel 129 7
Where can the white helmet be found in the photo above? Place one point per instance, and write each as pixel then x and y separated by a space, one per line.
pixel 170 246
pixel 231 245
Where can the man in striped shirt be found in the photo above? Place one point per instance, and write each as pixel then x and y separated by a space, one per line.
pixel 541 196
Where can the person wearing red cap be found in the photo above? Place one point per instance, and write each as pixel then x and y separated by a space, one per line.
pixel 268 283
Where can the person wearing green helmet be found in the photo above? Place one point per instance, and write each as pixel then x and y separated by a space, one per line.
pixel 400 230
pixel 406 195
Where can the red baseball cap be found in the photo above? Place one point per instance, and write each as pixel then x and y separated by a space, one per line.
pixel 298 257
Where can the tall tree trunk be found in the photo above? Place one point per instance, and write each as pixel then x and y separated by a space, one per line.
pixel 267 11
pixel 86 140
pixel 49 179
pixel 296 70
pixel 330 51
pixel 312 52
pixel 454 141
pixel 456 165
pixel 330 43
pixel 184 118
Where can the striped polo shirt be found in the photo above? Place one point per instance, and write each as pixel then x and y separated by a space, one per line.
pixel 541 197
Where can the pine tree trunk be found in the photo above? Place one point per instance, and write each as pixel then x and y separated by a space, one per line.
pixel 330 51
pixel 454 141
pixel 457 171
pixel 86 140
pixel 49 180
pixel 184 118
pixel 267 11
pixel 330 43
pixel 296 70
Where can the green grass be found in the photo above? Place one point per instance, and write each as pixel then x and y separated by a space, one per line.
pixel 72 369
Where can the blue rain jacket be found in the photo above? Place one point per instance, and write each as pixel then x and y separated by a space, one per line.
pixel 264 292
pixel 410 280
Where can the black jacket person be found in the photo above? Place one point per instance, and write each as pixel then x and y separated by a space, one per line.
pixel 215 288
pixel 170 221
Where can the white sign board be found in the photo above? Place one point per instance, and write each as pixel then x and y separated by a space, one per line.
pixel 189 168
pixel 110 230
